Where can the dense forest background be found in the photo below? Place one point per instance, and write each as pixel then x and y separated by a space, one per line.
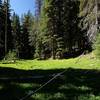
pixel 59 29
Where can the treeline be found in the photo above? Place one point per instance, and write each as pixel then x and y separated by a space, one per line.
pixel 54 31
pixel 15 33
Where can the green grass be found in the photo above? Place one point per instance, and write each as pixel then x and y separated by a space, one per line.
pixel 80 81
pixel 84 62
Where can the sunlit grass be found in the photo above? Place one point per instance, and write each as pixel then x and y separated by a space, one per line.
pixel 83 62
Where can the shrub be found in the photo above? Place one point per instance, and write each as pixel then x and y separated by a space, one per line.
pixel 11 56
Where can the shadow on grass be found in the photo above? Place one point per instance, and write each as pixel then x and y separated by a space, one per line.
pixel 75 84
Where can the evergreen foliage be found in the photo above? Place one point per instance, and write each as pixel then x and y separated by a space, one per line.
pixel 16 32
pixel 5 29
pixel 59 29
pixel 25 50
pixel 1 32
pixel 9 29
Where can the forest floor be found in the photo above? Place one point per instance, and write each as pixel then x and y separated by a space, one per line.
pixel 81 81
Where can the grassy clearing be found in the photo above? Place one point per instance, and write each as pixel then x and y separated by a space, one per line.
pixel 84 62
pixel 79 82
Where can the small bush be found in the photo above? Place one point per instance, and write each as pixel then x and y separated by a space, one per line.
pixel 11 56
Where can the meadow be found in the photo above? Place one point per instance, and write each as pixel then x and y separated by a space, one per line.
pixel 81 81
pixel 84 62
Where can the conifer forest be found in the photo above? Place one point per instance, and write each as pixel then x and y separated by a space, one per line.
pixel 58 29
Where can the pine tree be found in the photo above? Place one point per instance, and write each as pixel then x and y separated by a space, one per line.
pixel 0 22
pixel 43 47
pixel 7 27
pixel 25 50
pixel 38 29
pixel 1 32
pixel 70 25
pixel 16 32
pixel 53 27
